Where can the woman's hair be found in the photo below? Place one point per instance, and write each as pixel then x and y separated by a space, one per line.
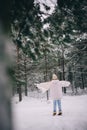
pixel 54 77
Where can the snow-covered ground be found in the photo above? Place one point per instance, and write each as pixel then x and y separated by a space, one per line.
pixel 36 114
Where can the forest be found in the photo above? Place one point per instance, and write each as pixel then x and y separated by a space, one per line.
pixel 45 39
pixel 39 39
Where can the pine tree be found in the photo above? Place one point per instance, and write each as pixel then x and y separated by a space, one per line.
pixel 78 61
pixel 61 26
pixel 26 36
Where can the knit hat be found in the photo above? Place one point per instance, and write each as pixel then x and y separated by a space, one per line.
pixel 54 77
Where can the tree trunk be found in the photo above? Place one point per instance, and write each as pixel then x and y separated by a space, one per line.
pixel 18 84
pixel 26 93
pixel 13 90
pixel 46 71
pixel 63 67
pixel 20 94
pixel 5 93
pixel 74 78
pixel 82 78
pixel 5 107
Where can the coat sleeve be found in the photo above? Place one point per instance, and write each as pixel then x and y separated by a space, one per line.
pixel 64 83
pixel 44 86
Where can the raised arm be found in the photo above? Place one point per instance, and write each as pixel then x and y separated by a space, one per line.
pixel 44 86
pixel 64 83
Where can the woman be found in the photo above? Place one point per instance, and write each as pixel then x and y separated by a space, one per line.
pixel 55 87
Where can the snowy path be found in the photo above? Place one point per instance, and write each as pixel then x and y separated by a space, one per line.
pixel 33 114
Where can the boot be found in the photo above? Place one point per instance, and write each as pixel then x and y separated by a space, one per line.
pixel 54 113
pixel 60 113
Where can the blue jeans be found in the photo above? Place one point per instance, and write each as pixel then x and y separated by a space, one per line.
pixel 55 103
